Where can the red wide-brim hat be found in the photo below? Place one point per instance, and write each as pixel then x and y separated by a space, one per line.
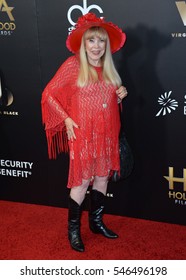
pixel 116 35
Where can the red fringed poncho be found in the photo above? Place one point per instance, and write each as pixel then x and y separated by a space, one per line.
pixel 95 152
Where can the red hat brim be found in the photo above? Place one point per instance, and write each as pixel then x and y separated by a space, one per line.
pixel 116 36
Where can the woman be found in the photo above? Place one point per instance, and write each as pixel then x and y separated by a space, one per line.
pixel 80 112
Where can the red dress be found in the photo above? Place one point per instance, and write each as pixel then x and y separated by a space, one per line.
pixel 94 108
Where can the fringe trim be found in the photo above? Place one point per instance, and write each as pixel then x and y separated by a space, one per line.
pixel 57 143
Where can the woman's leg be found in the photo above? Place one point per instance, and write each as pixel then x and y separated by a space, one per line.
pixel 97 197
pixel 100 184
pixel 77 195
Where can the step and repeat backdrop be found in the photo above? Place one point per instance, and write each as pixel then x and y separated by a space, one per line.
pixel 152 66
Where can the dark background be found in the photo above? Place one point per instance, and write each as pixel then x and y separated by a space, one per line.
pixel 151 63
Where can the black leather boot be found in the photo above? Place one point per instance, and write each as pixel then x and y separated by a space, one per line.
pixel 74 234
pixel 96 213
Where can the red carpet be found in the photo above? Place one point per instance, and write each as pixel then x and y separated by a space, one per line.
pixel 33 232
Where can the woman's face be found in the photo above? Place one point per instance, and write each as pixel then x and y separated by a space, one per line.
pixel 95 49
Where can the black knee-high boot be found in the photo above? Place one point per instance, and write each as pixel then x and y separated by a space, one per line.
pixel 96 213
pixel 74 235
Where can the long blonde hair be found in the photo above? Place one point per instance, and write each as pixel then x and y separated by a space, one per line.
pixel 87 73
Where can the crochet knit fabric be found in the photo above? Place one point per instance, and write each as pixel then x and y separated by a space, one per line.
pixel 95 152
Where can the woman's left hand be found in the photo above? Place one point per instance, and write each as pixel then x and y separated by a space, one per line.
pixel 121 92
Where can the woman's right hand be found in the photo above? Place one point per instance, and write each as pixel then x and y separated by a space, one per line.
pixel 70 124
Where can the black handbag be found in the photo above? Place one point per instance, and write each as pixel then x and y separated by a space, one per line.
pixel 126 159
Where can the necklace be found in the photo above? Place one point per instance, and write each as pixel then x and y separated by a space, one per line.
pixel 105 105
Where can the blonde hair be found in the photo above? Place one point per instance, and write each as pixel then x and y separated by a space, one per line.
pixel 87 72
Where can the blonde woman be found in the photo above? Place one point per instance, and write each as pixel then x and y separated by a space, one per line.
pixel 81 115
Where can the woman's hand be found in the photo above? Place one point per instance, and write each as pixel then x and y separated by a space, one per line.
pixel 121 92
pixel 70 124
